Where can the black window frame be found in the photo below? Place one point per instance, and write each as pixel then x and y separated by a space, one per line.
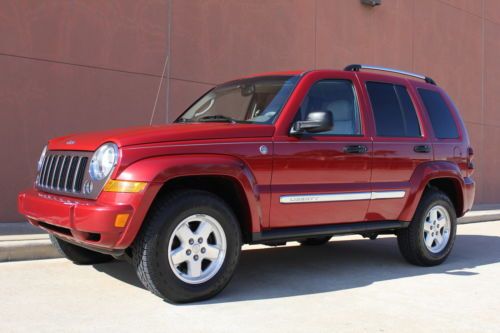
pixel 412 101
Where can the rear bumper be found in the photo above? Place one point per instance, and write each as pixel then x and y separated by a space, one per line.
pixel 469 191
pixel 89 223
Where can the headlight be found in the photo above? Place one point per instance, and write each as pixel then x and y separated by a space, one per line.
pixel 103 161
pixel 42 157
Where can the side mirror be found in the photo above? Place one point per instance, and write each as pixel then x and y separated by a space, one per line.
pixel 316 122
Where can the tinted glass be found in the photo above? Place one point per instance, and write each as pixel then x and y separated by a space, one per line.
pixel 441 118
pixel 393 110
pixel 337 97
pixel 256 100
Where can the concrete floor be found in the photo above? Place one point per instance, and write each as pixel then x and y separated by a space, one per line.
pixel 349 285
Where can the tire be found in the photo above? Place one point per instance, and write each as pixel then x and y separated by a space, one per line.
pixel 164 233
pixel 412 240
pixel 77 254
pixel 315 241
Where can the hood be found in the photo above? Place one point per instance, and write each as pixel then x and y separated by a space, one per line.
pixel 160 133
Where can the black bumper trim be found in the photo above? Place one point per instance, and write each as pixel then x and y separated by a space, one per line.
pixel 112 252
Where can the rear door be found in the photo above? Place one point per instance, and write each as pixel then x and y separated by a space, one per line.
pixel 401 142
pixel 324 178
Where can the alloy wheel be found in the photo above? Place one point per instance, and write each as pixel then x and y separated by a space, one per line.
pixel 197 249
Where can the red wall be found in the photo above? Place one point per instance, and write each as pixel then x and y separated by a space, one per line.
pixel 68 66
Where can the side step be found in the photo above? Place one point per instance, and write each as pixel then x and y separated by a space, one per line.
pixel 289 234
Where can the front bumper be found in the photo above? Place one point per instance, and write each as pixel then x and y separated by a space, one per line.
pixel 89 223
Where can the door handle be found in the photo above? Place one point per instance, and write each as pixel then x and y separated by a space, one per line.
pixel 355 149
pixel 422 149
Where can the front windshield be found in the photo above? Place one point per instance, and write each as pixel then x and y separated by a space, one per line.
pixel 256 100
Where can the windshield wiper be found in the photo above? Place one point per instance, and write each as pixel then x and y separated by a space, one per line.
pixel 217 118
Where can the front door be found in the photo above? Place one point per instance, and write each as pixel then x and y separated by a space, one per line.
pixel 324 178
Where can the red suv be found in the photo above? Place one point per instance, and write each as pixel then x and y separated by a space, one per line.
pixel 293 156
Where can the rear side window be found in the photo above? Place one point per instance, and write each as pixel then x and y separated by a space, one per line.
pixel 393 110
pixel 441 118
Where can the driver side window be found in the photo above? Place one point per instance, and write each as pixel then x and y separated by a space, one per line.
pixel 338 98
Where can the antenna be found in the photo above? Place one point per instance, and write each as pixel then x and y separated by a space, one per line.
pixel 158 92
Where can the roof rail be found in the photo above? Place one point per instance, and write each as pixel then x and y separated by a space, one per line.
pixel 357 67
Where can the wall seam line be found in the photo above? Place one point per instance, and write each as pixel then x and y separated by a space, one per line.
pixel 483 92
pixel 193 81
pixel 79 65
pixel 169 52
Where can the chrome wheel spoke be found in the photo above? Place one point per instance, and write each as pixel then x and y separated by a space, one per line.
pixel 204 230
pixel 184 234
pixel 194 268
pixel 429 240
pixel 179 256
pixel 433 214
pixel 441 222
pixel 427 226
pixel 439 239
pixel 212 252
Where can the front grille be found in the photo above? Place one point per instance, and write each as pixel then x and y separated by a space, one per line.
pixel 62 172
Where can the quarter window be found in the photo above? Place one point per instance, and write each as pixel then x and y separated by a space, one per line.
pixel 337 97
pixel 442 121
pixel 394 113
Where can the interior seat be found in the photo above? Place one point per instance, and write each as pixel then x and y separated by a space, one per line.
pixel 343 117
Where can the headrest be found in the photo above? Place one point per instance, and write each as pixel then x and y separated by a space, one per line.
pixel 341 109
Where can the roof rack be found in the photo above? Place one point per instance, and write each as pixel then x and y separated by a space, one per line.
pixel 357 67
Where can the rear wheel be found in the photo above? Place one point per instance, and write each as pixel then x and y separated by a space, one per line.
pixel 77 254
pixel 189 247
pixel 315 241
pixel 430 237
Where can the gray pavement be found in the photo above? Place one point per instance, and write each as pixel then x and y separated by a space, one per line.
pixel 349 285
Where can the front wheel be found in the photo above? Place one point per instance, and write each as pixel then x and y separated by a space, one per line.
pixel 189 247
pixel 430 237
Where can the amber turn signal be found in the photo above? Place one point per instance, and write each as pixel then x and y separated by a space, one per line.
pixel 121 220
pixel 124 186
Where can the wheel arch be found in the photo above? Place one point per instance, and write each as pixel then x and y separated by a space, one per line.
pixel 452 189
pixel 443 175
pixel 226 176
pixel 225 187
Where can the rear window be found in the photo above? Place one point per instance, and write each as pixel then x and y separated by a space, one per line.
pixel 393 110
pixel 441 118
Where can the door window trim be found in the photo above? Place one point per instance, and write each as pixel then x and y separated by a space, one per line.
pixel 360 120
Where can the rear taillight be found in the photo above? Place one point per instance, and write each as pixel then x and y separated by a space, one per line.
pixel 470 154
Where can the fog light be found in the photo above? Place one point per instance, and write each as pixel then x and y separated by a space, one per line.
pixel 124 186
pixel 88 187
pixel 121 220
